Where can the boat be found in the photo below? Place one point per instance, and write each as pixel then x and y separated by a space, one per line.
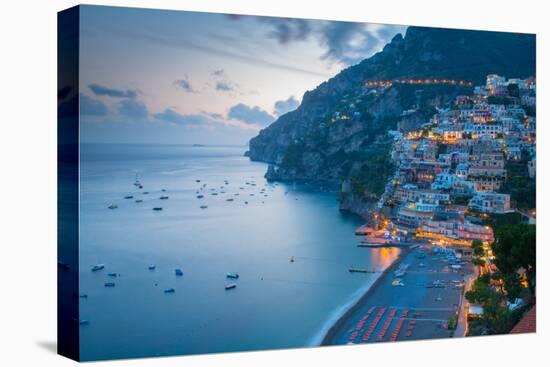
pixel 197 181
pixel 109 284
pixel 139 201
pixel 169 290
pixel 360 270
pixel 230 286
pixel 164 197
pixel 200 196
pixel 136 182
pixel 112 206
pixel 179 272
pixel 83 322
pixel 163 190
pixel 112 274
pixel 157 208
pixel 152 267
pixel 292 259
pixel 129 197
pixel 145 193
pixel 230 199
pixel 62 265
pixel 397 283
pixel 98 267
pixel 232 275
pixel 204 206
pixel 401 271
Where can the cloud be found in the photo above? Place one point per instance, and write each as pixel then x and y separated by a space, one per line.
pixel 224 86
pixel 218 73
pixel 169 115
pixel 283 106
pixel 92 107
pixel 181 43
pixel 184 84
pixel 100 90
pixel 286 30
pixel 346 42
pixel 217 116
pixel 343 42
pixel 132 108
pixel 250 115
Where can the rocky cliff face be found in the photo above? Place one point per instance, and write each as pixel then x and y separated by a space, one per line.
pixel 339 132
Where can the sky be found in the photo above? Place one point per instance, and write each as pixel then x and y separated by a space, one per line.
pixel 174 77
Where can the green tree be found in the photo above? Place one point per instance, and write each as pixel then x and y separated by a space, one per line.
pixel 477 247
pixel 515 250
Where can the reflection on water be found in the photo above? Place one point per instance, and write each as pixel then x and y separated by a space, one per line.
pixel 277 303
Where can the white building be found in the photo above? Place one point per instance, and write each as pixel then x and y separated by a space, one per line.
pixel 491 202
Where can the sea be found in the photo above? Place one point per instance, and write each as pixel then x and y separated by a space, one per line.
pixel 288 242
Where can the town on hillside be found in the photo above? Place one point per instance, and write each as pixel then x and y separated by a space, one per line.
pixel 467 173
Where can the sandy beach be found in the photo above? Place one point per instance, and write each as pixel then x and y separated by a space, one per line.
pixel 414 310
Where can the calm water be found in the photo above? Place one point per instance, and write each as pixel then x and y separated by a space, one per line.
pixel 277 304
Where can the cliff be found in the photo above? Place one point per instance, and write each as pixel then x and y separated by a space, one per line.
pixel 339 132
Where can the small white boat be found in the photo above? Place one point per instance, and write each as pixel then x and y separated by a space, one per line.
pixel 232 275
pixel 112 206
pixel 230 286
pixel 152 267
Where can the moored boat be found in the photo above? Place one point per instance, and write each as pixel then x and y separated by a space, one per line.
pixel 98 267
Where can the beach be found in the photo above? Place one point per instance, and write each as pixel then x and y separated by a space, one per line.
pixel 414 310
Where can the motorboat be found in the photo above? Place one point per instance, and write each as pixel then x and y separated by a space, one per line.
pixel 109 284
pixel 179 272
pixel 152 267
pixel 232 275
pixel 230 286
pixel 169 290
pixel 164 197
pixel 98 267
pixel 157 208
pixel 112 206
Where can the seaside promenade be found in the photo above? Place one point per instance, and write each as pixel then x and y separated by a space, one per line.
pixel 419 306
